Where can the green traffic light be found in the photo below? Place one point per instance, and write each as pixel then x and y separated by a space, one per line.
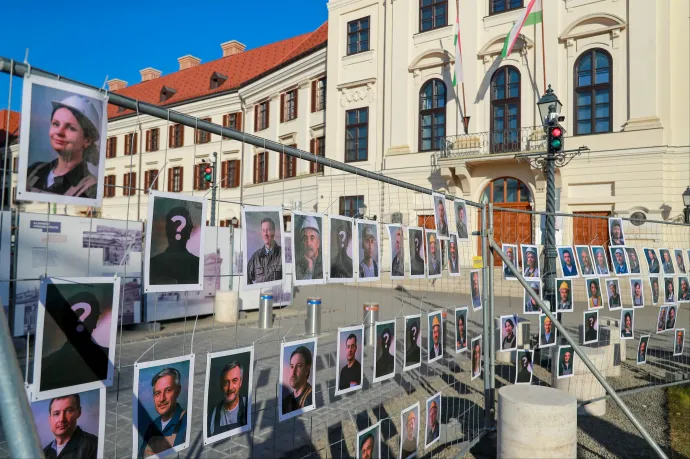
pixel 556 143
pixel 208 177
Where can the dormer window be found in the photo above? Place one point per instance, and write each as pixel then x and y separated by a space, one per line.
pixel 217 79
pixel 167 93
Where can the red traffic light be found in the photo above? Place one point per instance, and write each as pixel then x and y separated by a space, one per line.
pixel 208 170
pixel 556 132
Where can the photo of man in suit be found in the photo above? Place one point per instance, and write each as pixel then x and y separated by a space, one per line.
pixel 476 295
pixel 661 321
pixel 585 260
pixel 461 220
pixel 441 216
pixel 652 261
pixel 671 318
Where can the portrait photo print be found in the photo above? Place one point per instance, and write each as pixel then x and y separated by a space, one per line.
pixel 566 359
pixel 228 393
pixel 341 253
pixel 435 336
pixel 308 248
pixel 453 255
pixel 461 329
pixel 564 295
pixel 512 253
pixel 441 215
pixel 396 238
pixel 162 393
pixel 590 327
pixel 409 437
pixel 642 349
pixel 508 332
pixel 297 378
pixel 174 241
pixel 349 355
pixel 433 420
pixel 262 239
pixel 460 211
pixel 368 241
pixel 476 347
pixel 524 366
pixel 76 332
pixel 616 231
pixel 434 262
pixel 369 442
pixel 384 351
pixel 413 341
pixel 62 152
pixel 530 262
pixel 417 253
pixel 73 423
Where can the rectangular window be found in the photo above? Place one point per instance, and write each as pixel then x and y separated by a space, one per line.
pixel 288 106
pixel 129 183
pixel 261 113
pixel 175 179
pixel 202 136
pixel 349 205
pixel 111 147
pixel 318 148
pixel 318 95
pixel 151 180
pixel 109 188
pixel 261 167
pixel 288 165
pixel 499 6
pixel 176 136
pixel 230 173
pixel 433 14
pixel 152 142
pixel 131 142
pixel 233 121
pixel 356 134
pixel 358 36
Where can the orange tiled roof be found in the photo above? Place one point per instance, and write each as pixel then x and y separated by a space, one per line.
pixel 13 126
pixel 240 69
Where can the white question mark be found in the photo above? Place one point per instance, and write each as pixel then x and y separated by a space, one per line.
pixel 343 237
pixel 414 331
pixel 183 223
pixel 86 307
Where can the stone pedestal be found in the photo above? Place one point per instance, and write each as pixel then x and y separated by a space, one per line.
pixel 227 305
pixel 583 385
pixel 536 422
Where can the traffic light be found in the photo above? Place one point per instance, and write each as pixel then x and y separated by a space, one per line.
pixel 208 173
pixel 555 138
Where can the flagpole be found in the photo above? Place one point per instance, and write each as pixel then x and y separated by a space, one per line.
pixel 543 47
pixel 465 118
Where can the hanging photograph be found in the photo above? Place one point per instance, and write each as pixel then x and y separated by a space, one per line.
pixel 680 261
pixel 509 332
pixel 627 329
pixel 590 327
pixel 666 261
pixel 669 290
pixel 461 329
pixel 396 237
pixel 683 289
pixel 435 336
pixel 341 249
pixel 678 342
pixel 584 260
pixel 547 332
pixel 433 420
pixel 433 250
pixel 601 264
pixel 524 367
pixel 350 375
pixel 63 147
pixel 369 263
pixel 671 317
pixel 661 321
pixel 637 292
pixel 453 256
pixel 642 349
pixel 620 262
pixel 384 351
pixel 297 378
pixel 656 290
pixel 564 301
pixel 262 237
pixel 228 393
pixel 511 252
pixel 162 407
pixel 75 335
pixel 409 438
pixel 567 261
pixel 476 345
pixel 616 231
pixel 566 358
pixel 529 303
pixel 413 342
pixel 475 292
pixel 652 260
pixel 416 243
pixel 174 237
pixel 613 293
pixel 594 299
pixel 440 215
pixel 308 246
pixel 72 425
pixel 530 262
pixel 460 210
pixel 369 442
pixel 633 260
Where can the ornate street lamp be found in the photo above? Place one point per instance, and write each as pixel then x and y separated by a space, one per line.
pixel 548 104
pixel 686 203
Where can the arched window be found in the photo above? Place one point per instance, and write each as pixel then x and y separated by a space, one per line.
pixel 506 190
pixel 505 110
pixel 593 91
pixel 432 115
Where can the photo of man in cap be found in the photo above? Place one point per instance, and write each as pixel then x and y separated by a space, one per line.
pixel 547 332
pixel 409 419
pixel 564 302
pixel 296 378
pixel 384 365
pixel 308 248
pixel 435 336
pixel 397 241
pixel 265 266
pixel 616 231
pixel 416 240
pixel 228 381
pixel 62 155
pixel 530 262
pixel 510 251
pixel 565 254
pixel 642 349
pixel 531 306
pixel 652 261
pixel 620 264
pixel 433 415
pixel 413 352
pixel 461 219
pixel 434 258
pixel 441 217
pixel 369 252
pixel 614 295
pixel 341 248
pixel 679 341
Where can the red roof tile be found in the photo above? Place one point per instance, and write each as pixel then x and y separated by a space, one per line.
pixel 13 126
pixel 239 68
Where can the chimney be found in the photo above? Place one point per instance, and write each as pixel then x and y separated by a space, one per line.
pixel 116 84
pixel 232 47
pixel 188 61
pixel 149 73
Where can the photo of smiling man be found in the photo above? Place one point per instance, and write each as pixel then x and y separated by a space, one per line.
pixel 297 378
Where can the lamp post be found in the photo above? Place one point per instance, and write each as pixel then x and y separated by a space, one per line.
pixel 686 203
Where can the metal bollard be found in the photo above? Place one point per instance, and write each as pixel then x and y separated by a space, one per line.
pixel 313 323
pixel 266 311
pixel 371 313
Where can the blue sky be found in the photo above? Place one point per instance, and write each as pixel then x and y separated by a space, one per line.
pixel 86 42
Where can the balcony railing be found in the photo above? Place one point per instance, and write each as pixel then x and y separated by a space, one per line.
pixel 494 142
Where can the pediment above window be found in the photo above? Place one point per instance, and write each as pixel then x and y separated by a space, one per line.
pixel 495 45
pixel 592 24
pixel 430 59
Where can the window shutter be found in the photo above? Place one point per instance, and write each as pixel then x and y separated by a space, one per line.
pixel 256 162
pixel 148 140
pixel 181 135
pixel 256 118
pixel 281 166
pixel 181 178
pixel 136 143
pixel 114 147
pixel 133 181
pixel 265 166
pixel 313 96
pixel 171 130
pixel 146 180
pixel 268 113
pixel 282 107
pixel 296 102
pixel 197 171
pixel 170 173
pixel 107 148
pixel 236 178
pixel 239 121
pixel 225 120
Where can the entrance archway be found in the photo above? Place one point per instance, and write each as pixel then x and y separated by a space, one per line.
pixel 509 227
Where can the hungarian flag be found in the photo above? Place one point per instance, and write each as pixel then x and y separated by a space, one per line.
pixel 530 16
pixel 458 77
